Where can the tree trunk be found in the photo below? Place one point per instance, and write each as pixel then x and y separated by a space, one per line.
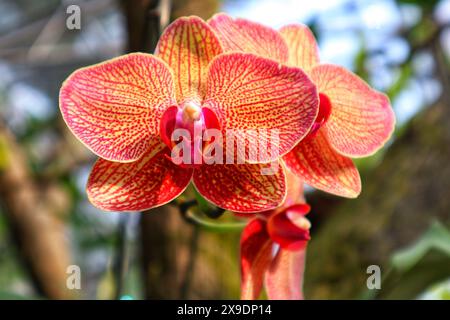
pixel 36 227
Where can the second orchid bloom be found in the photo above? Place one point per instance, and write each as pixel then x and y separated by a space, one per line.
pixel 354 120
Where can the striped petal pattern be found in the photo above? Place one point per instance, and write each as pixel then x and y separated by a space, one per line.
pixel 241 187
pixel 303 49
pixel 248 93
pixel 320 166
pixel 295 190
pixel 114 107
pixel 188 45
pixel 256 255
pixel 361 119
pixel 146 183
pixel 251 37
pixel 284 278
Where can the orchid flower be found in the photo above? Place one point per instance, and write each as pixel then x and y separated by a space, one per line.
pixel 273 249
pixel 354 120
pixel 127 109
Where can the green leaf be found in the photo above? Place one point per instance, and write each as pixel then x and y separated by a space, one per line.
pixel 403 79
pixel 360 62
pixel 436 237
pixel 438 291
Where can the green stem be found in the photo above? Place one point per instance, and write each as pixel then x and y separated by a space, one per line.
pixel 214 227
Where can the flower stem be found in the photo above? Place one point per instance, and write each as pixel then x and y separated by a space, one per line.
pixel 211 226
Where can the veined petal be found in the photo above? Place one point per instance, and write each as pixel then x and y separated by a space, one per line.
pixel 151 181
pixel 361 119
pixel 295 189
pixel 284 277
pixel 303 49
pixel 320 166
pixel 188 45
pixel 262 102
pixel 241 187
pixel 247 36
pixel 114 107
pixel 256 255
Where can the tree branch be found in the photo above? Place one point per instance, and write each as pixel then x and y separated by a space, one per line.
pixel 33 218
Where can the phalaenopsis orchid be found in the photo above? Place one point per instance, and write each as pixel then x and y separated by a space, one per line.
pixel 159 121
pixel 127 111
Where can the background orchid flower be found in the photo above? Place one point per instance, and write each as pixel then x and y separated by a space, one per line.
pixel 353 121
pixel 273 249
pixel 126 109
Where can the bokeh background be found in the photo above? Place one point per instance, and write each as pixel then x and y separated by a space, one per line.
pixel 400 222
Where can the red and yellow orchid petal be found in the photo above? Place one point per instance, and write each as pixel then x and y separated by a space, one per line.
pixel 151 181
pixel 256 255
pixel 241 187
pixel 188 45
pixel 114 107
pixel 262 102
pixel 295 189
pixel 303 49
pixel 361 119
pixel 284 277
pixel 320 166
pixel 251 37
pixel 289 228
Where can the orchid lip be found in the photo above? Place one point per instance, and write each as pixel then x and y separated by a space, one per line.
pixel 289 228
pixel 193 120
